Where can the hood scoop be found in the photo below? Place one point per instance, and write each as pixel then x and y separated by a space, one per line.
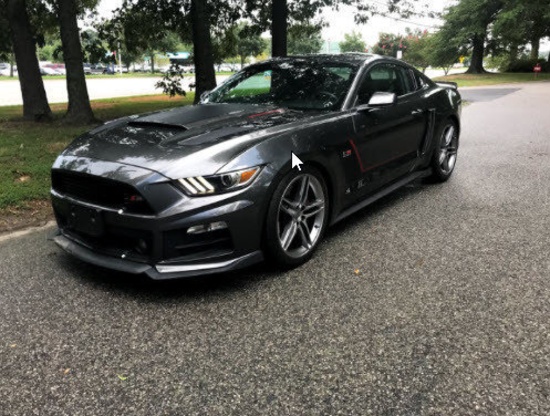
pixel 156 124
pixel 137 133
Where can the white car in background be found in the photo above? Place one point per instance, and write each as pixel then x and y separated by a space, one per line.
pixel 5 69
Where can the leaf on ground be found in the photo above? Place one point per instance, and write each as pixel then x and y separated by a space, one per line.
pixel 357 272
pixel 66 371
pixel 122 377
pixel 13 345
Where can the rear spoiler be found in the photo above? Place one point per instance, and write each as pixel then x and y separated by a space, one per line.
pixel 452 85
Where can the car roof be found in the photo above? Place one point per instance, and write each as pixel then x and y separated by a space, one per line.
pixel 353 58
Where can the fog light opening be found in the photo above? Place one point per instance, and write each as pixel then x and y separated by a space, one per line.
pixel 142 246
pixel 206 228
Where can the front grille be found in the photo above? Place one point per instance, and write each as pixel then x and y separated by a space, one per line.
pixel 135 245
pixel 100 191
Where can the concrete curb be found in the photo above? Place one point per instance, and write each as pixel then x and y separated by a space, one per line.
pixel 25 231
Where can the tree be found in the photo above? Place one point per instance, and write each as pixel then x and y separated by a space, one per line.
pixel 304 39
pixel 279 27
pixel 389 44
pixel 278 15
pixel 466 25
pixel 249 43
pixel 521 22
pixel 35 102
pixel 79 110
pixel 205 75
pixel 442 54
pixel 353 42
pixel 419 49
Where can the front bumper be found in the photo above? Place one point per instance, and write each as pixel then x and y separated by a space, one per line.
pixel 158 272
pixel 159 244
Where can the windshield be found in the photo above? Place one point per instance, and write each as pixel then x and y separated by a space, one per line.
pixel 298 85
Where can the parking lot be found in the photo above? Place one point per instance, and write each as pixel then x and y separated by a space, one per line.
pixel 433 301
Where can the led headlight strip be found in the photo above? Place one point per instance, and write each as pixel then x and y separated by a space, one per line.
pixel 200 185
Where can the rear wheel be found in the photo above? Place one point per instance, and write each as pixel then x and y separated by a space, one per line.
pixel 445 154
pixel 297 217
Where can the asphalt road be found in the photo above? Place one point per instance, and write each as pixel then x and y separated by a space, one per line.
pixel 448 314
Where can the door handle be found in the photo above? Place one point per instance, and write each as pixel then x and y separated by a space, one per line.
pixel 416 112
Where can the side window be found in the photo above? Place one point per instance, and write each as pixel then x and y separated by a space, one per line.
pixel 420 82
pixel 385 78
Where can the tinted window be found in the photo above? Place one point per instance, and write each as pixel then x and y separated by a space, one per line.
pixel 385 78
pixel 420 81
pixel 301 85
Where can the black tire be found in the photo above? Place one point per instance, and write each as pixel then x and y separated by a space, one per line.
pixel 445 153
pixel 288 209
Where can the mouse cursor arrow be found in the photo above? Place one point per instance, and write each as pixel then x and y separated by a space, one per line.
pixel 296 162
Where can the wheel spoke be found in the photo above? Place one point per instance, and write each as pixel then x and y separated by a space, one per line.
pixel 449 136
pixel 304 190
pixel 305 233
pixel 445 165
pixel 314 208
pixel 289 207
pixel 288 235
pixel 442 157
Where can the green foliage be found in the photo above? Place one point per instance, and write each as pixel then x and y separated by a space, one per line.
pixel 442 54
pixel 353 42
pixel 249 44
pixel 304 39
pixel 171 82
pixel 526 65
pixel 419 49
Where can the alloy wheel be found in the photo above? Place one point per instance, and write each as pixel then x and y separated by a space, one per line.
pixel 301 215
pixel 448 150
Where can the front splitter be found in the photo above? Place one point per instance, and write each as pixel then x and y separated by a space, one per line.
pixel 159 271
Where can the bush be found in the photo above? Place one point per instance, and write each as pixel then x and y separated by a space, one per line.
pixel 527 65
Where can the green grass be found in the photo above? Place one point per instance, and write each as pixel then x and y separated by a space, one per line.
pixel 471 80
pixel 27 149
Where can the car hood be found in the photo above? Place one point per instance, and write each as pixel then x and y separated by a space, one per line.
pixel 185 141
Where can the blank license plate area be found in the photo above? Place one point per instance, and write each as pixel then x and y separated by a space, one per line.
pixel 86 220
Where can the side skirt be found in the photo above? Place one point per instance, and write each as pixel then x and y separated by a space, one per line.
pixel 380 194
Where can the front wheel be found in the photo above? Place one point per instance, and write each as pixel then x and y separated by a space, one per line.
pixel 445 154
pixel 297 217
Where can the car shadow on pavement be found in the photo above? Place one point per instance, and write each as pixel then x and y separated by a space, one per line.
pixel 218 285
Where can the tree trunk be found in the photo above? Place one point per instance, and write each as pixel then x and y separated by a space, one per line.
pixel 152 63
pixel 535 47
pixel 476 65
pixel 11 66
pixel 80 110
pixel 279 28
pixel 35 102
pixel 514 51
pixel 205 76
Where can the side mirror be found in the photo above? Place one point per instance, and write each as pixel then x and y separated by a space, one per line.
pixel 382 99
pixel 204 96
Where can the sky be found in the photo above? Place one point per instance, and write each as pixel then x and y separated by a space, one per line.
pixel 342 21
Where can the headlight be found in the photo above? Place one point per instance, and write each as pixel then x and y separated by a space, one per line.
pixel 208 185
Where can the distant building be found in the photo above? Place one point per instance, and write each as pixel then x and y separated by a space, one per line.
pixel 180 58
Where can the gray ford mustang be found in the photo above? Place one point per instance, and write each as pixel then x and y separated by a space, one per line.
pixel 260 168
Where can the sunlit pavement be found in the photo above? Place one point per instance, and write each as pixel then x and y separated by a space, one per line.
pixel 98 88
pixel 435 301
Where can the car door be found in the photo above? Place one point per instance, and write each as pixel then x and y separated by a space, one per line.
pixel 387 138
